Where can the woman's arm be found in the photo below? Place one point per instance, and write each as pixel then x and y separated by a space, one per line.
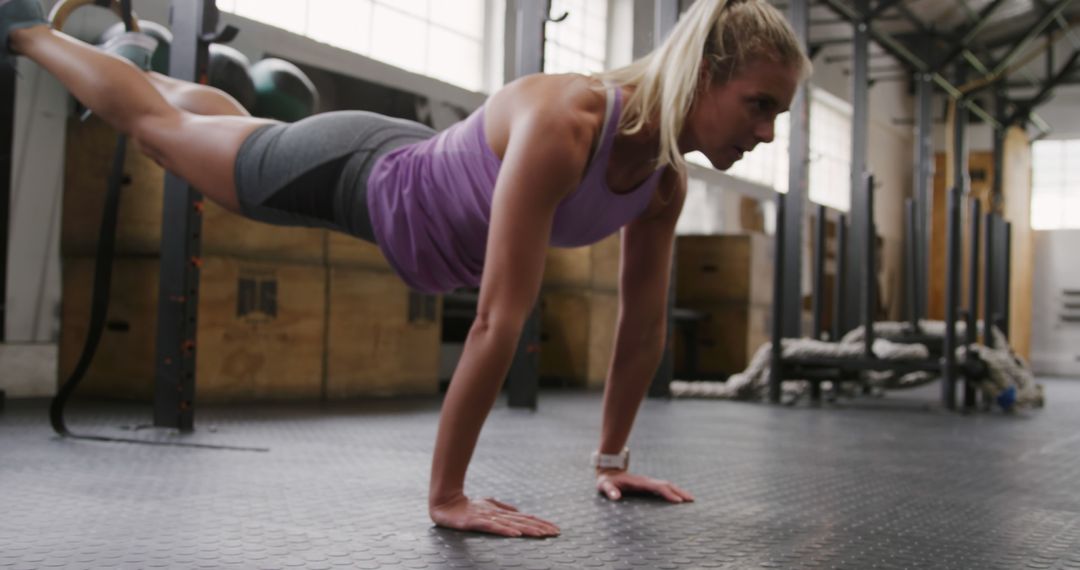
pixel 544 158
pixel 647 245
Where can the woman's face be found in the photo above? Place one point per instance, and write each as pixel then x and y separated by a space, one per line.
pixel 729 119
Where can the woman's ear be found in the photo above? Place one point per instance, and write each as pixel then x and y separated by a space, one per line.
pixel 704 71
pixel 705 74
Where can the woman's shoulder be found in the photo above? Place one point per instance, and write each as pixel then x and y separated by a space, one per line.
pixel 569 96
pixel 571 102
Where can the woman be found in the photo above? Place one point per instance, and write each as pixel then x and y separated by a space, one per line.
pixel 548 160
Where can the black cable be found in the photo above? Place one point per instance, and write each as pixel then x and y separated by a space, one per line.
pixel 99 308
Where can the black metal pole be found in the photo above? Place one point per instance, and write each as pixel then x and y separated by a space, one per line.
pixel 989 309
pixel 924 167
pixel 653 20
pixel 819 272
pixel 7 134
pixel 960 142
pixel 819 290
pixel 860 136
pixel 870 269
pixel 191 22
pixel 997 191
pixel 972 332
pixel 952 294
pixel 910 263
pixel 798 176
pixel 973 272
pixel 660 387
pixel 523 380
pixel 776 373
pixel 840 283
pixel 1000 273
pixel 1006 283
pixel 524 55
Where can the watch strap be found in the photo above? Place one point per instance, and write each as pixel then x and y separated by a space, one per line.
pixel 619 460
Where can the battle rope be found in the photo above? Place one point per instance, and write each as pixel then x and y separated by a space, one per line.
pixel 1007 374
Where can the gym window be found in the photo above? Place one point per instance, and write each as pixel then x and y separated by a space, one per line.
pixel 830 150
pixel 1055 184
pixel 440 39
pixel 577 44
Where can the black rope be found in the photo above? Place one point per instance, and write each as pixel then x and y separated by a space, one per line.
pixel 102 283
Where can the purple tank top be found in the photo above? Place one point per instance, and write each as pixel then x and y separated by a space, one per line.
pixel 430 203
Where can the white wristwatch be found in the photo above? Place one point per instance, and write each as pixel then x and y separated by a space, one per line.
pixel 619 460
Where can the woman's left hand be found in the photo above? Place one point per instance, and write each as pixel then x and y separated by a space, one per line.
pixel 612 483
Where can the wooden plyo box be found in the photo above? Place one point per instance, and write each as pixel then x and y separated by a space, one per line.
pixel 735 268
pixel 266 331
pixel 348 251
pixel 727 338
pixel 603 314
pixel 260 329
pixel 577 335
pixel 383 338
pixel 606 257
pixel 729 278
pixel 87 164
pixel 579 306
pixel 591 267
pixel 568 267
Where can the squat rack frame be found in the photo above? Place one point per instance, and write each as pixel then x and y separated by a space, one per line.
pixel 194 24
pixel 818 369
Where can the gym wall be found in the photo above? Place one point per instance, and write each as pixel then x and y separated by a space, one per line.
pixel 32 320
pixel 1017 209
pixel 1055 335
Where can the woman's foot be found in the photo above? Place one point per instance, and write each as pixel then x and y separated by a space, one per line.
pixel 136 47
pixel 18 15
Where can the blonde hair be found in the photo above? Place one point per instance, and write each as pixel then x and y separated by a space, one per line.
pixel 729 34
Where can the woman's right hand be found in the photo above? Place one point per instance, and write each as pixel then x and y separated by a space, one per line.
pixel 490 516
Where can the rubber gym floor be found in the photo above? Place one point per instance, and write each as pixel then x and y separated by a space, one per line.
pixel 893 482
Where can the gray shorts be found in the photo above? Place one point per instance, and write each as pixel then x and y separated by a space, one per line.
pixel 314 172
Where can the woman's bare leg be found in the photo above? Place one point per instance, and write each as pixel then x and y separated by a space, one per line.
pixel 194 97
pixel 199 149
